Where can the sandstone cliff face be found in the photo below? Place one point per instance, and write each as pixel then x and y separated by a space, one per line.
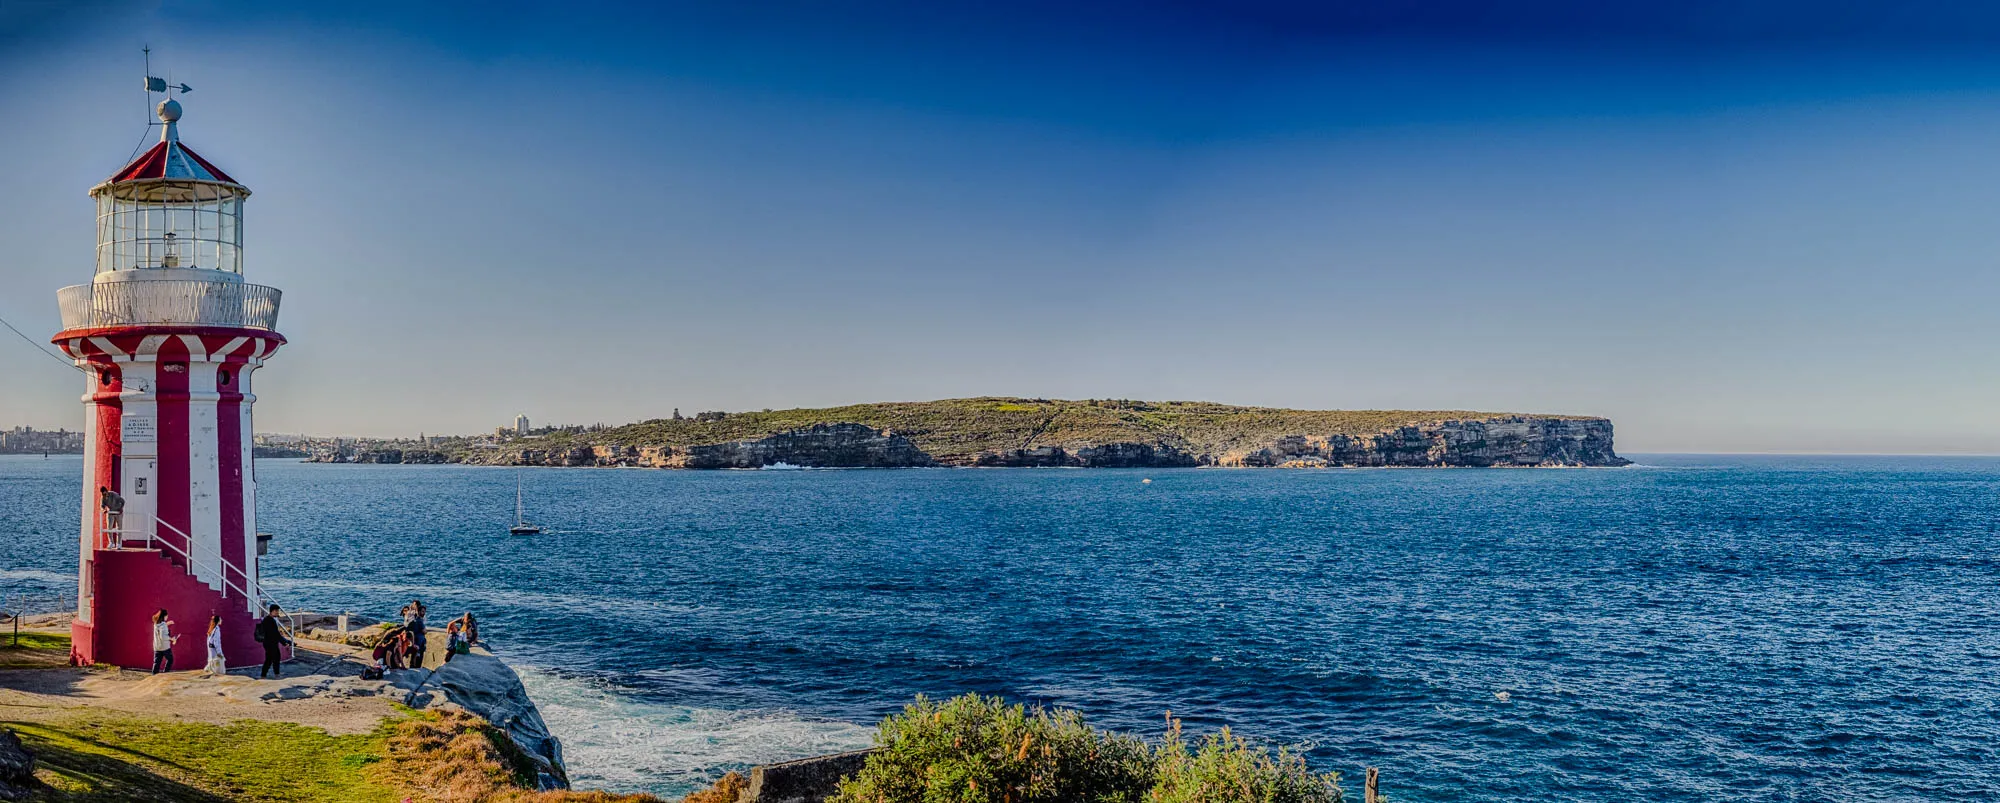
pixel 377 456
pixel 1513 441
pixel 1505 441
pixel 821 446
pixel 1109 455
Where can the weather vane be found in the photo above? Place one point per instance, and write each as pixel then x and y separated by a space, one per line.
pixel 159 85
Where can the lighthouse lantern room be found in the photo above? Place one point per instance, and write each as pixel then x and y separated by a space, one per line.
pixel 168 336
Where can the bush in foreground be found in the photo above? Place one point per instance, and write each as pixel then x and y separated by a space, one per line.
pixel 1227 769
pixel 974 749
pixel 728 789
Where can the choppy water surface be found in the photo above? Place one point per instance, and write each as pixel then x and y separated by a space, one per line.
pixel 1748 628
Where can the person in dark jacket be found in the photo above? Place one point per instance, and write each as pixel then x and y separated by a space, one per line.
pixel 272 637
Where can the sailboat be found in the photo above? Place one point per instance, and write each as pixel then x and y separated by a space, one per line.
pixel 521 525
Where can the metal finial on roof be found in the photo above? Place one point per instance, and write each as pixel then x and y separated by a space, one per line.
pixel 170 114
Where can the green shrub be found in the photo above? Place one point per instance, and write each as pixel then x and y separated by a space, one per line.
pixel 974 749
pixel 1227 769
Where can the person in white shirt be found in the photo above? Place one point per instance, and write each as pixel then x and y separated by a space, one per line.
pixel 215 662
pixel 163 642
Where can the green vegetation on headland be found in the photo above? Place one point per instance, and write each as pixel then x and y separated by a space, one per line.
pixel 1001 431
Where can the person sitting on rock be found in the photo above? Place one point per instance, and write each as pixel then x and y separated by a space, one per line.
pixel 413 622
pixel 471 629
pixel 413 648
pixel 455 643
pixel 397 646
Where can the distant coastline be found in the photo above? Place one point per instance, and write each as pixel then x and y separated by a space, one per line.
pixel 1019 432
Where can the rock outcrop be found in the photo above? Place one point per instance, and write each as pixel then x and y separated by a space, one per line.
pixel 486 687
pixel 17 768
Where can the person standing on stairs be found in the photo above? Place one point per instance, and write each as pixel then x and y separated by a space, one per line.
pixel 272 637
pixel 114 515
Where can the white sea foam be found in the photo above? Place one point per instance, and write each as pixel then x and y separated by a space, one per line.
pixel 615 740
pixel 38 576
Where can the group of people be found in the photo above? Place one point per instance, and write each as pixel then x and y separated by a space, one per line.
pixel 269 633
pixel 404 646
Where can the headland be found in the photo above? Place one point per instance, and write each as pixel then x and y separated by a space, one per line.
pixel 1022 432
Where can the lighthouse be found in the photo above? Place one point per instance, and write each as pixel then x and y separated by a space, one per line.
pixel 168 335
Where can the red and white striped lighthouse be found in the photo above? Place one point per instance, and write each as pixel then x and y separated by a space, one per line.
pixel 169 335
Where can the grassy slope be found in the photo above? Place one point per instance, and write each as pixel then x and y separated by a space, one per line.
pixel 87 756
pixel 107 757
pixel 35 650
pixel 96 756
pixel 959 428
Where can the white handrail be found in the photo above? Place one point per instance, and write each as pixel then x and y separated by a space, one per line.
pixel 264 600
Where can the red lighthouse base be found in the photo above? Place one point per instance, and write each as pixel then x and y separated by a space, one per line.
pixel 120 628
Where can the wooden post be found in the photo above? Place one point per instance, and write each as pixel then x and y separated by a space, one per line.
pixel 1369 792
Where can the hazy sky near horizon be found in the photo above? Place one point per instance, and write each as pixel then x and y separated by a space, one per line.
pixel 1762 229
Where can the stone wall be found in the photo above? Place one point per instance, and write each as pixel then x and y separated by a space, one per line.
pixel 807 780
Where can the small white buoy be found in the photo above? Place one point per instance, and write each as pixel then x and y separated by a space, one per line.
pixel 1502 696
pixel 1146 481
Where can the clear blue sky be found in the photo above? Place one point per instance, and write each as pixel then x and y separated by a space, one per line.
pixel 1766 229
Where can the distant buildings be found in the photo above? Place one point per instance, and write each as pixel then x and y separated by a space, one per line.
pixel 27 440
pixel 521 424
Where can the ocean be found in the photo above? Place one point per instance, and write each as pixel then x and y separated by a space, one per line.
pixel 1741 628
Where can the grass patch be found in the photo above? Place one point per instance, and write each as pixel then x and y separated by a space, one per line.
pixel 101 757
pixel 35 651
pixel 427 756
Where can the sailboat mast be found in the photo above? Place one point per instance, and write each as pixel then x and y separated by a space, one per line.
pixel 519 516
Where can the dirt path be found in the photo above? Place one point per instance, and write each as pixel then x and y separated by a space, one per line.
pixel 322 688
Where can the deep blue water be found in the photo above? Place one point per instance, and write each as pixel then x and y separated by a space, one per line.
pixel 1749 628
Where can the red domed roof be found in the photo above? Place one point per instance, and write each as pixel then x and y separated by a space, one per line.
pixel 171 159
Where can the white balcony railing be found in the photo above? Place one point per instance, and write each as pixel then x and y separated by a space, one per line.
pixel 171 302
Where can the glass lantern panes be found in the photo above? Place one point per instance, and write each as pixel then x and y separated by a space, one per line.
pixel 135 218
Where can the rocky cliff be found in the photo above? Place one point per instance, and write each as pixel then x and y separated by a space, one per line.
pixel 1043 433
pixel 489 689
